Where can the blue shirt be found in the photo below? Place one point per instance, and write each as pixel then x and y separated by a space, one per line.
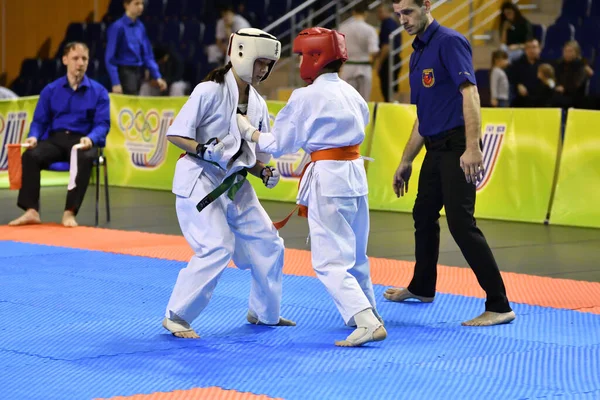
pixel 60 108
pixel 441 62
pixel 128 45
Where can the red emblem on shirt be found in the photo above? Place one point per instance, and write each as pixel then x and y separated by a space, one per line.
pixel 428 78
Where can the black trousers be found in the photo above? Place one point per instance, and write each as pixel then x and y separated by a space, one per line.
pixel 56 148
pixel 442 183
pixel 131 79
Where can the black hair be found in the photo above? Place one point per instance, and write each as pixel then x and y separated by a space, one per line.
pixel 333 66
pixel 508 5
pixel 218 74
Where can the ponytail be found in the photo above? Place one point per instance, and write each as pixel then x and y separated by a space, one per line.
pixel 218 74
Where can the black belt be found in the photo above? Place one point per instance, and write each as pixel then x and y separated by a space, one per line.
pixel 443 135
pixel 67 132
pixel 358 62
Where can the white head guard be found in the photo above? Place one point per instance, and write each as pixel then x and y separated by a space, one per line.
pixel 249 44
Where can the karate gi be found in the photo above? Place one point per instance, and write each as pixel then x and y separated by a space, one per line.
pixel 226 229
pixel 330 113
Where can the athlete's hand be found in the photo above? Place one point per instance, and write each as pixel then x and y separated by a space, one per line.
pixel 245 127
pixel 213 150
pixel 270 177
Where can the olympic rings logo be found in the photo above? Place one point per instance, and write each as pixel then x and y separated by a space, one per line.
pixel 139 125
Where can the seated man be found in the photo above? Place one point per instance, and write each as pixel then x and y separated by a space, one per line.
pixel 71 110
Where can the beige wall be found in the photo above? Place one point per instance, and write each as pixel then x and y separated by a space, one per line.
pixel 29 23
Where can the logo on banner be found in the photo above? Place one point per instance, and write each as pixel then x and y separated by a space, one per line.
pixel 290 166
pixel 12 128
pixel 493 137
pixel 145 136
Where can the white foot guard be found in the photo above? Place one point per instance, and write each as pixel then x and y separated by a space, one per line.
pixel 282 321
pixel 364 335
pixel 353 323
pixel 369 329
pixel 401 294
pixel 179 328
pixel 489 318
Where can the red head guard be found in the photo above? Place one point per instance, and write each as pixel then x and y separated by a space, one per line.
pixel 319 47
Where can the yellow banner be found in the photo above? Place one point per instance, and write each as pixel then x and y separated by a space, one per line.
pixel 290 166
pixel 578 186
pixel 137 151
pixel 15 117
pixel 520 151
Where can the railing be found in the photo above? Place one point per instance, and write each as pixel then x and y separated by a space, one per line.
pixel 305 16
pixel 297 22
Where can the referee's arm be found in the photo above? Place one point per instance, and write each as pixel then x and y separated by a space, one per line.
pixel 457 56
pixel 472 114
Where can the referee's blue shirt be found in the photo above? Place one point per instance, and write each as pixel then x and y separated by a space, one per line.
pixel 85 111
pixel 441 62
pixel 127 44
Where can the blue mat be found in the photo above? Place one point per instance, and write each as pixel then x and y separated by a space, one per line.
pixel 85 324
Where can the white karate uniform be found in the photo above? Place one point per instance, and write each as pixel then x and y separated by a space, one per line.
pixel 329 113
pixel 240 229
pixel 362 41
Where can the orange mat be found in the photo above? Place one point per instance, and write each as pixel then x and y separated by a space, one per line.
pixel 211 393
pixel 534 290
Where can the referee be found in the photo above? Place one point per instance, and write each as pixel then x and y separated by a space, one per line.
pixel 443 87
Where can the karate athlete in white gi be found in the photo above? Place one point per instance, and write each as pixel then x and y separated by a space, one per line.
pixel 218 211
pixel 327 119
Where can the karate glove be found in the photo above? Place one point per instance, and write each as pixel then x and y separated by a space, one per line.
pixel 245 127
pixel 212 150
pixel 270 177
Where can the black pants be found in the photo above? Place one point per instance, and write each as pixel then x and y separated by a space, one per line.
pixel 131 79
pixel 442 183
pixel 56 148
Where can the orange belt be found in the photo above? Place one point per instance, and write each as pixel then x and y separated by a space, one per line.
pixel 347 153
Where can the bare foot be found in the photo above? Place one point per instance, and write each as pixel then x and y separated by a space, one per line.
pixel 364 335
pixel 30 217
pixel 282 321
pixel 68 219
pixel 489 318
pixel 180 329
pixel 401 294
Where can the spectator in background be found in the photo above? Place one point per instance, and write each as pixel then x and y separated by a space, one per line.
pixel 72 110
pixel 515 30
pixel 523 73
pixel 545 94
pixel 572 75
pixel 382 65
pixel 229 23
pixel 171 67
pixel 362 47
pixel 128 51
pixel 499 86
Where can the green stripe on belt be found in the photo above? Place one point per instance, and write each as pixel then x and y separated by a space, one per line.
pixel 229 185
